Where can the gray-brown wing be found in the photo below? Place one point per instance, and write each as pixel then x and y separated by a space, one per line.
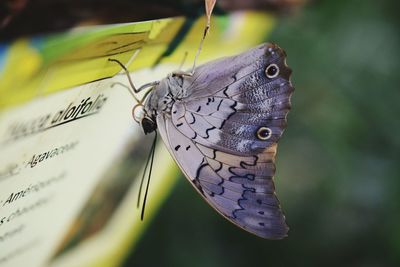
pixel 239 188
pixel 213 134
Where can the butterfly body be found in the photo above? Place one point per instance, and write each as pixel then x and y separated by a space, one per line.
pixel 222 125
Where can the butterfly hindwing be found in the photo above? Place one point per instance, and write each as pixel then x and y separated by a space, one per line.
pixel 242 190
pixel 212 134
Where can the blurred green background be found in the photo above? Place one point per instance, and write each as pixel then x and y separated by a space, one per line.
pixel 338 173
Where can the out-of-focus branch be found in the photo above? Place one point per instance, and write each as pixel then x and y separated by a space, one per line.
pixel 28 17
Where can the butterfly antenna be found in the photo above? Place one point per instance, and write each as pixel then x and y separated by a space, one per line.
pixel 152 152
pixel 143 175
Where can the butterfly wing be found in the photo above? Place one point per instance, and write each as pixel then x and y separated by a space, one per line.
pixel 212 134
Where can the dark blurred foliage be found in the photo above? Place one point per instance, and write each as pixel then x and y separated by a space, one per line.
pixel 27 17
pixel 338 163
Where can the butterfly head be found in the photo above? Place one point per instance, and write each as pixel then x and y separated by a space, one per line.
pixel 148 125
pixel 147 122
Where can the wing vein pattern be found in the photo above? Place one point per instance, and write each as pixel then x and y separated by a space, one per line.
pixel 212 134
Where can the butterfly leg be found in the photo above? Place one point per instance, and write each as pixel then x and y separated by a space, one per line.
pixel 181 72
pixel 209 5
pixel 134 89
pixel 190 73
pixel 183 60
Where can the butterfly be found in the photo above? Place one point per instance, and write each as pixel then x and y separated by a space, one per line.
pixel 221 124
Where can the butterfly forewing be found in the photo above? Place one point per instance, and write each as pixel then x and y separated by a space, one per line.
pixel 224 132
